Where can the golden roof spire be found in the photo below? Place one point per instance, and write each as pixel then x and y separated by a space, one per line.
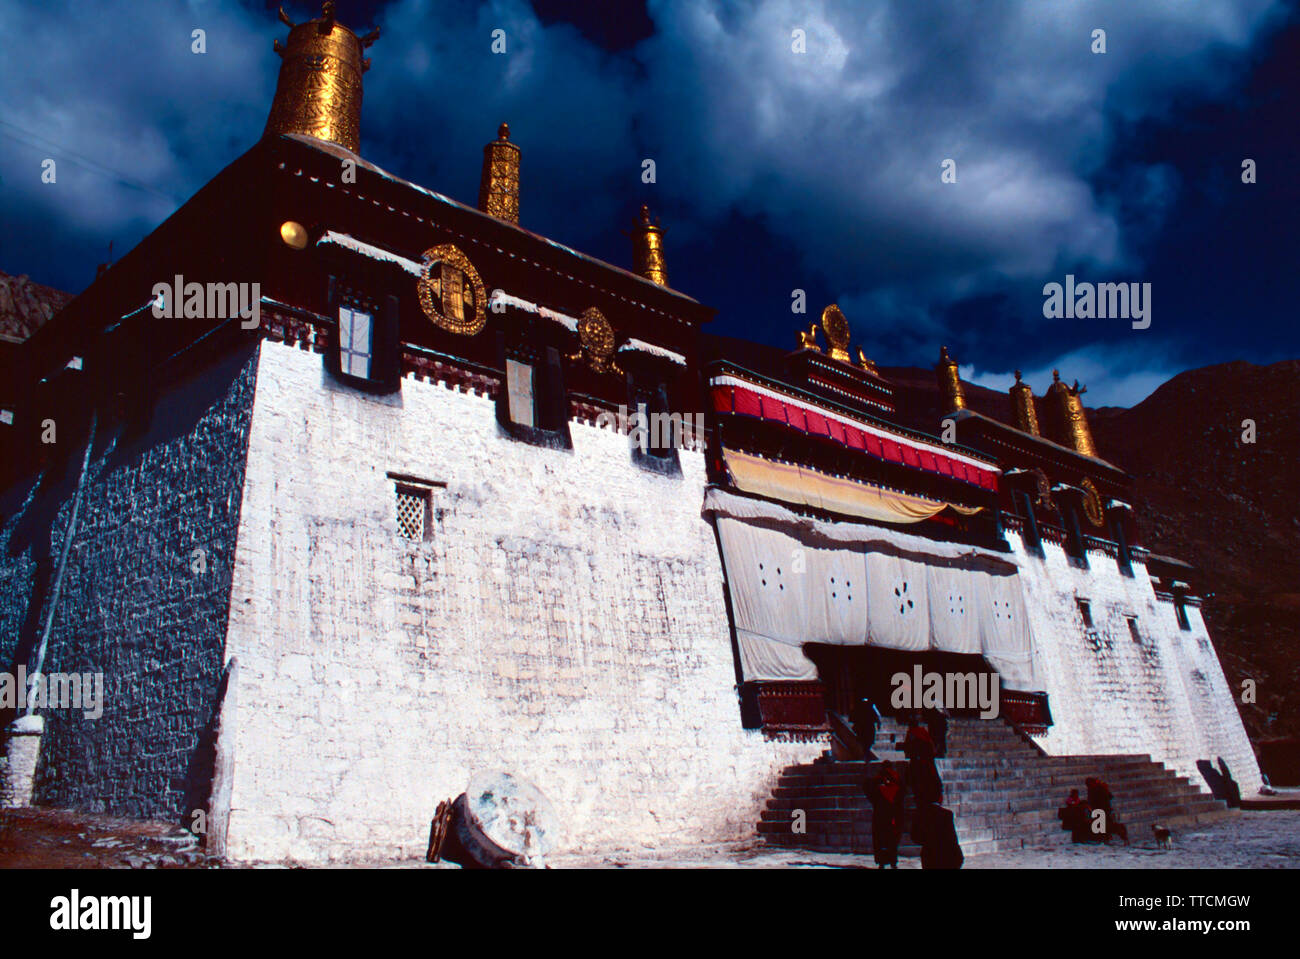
pixel 648 249
pixel 1023 409
pixel 954 394
pixel 498 190
pixel 1067 420
pixel 319 90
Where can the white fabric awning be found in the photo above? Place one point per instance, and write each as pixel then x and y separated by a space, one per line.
pixel 794 580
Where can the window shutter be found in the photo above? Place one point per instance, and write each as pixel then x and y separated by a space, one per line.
pixel 386 361
pixel 557 403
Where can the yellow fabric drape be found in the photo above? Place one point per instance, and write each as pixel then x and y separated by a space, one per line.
pixel 792 483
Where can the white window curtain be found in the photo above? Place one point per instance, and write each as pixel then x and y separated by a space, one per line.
pixel 354 342
pixel 519 381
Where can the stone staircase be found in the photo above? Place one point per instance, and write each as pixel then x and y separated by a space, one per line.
pixel 1002 789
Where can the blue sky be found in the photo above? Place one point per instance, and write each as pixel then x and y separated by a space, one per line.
pixel 776 170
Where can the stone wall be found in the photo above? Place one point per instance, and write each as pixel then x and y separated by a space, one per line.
pixel 137 605
pixel 565 622
pixel 1165 696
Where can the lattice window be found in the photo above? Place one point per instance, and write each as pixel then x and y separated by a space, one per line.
pixel 413 512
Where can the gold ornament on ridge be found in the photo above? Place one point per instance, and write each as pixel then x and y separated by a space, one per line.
pixel 836 328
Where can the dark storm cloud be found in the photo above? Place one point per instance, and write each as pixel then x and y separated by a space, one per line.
pixel 818 170
pixel 840 149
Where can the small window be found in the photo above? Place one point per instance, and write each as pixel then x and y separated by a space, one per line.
pixel 1075 550
pixel 1180 610
pixel 414 512
pixel 521 385
pixel 1133 629
pixel 355 351
pixel 657 433
pixel 1085 612
pixel 531 403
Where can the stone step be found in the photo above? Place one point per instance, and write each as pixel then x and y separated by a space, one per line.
pixel 1003 791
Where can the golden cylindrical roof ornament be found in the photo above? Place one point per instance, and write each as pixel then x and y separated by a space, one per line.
pixel 648 249
pixel 319 91
pixel 954 396
pixel 1067 420
pixel 498 190
pixel 1023 408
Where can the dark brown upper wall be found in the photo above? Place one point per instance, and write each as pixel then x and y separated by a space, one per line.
pixel 404 219
pixel 230 232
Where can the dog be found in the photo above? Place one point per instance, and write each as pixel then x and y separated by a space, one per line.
pixel 1163 836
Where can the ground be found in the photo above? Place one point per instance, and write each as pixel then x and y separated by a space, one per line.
pixel 48 838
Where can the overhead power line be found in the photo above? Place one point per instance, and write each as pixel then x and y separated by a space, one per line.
pixel 15 132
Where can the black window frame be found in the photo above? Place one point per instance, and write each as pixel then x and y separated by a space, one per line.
pixel 1085 612
pixel 646 388
pixel 385 338
pixel 550 427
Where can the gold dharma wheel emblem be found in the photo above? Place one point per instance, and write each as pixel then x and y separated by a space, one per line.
pixel 836 328
pixel 1092 503
pixel 451 291
pixel 597 338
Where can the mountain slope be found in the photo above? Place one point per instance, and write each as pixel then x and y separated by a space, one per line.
pixel 25 306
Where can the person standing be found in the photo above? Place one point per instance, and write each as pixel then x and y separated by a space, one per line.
pixel 922 774
pixel 885 790
pixel 866 720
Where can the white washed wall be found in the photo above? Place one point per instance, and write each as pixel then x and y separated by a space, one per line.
pixel 565 624
pixel 1170 701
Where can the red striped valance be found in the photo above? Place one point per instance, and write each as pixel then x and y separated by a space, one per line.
pixel 730 398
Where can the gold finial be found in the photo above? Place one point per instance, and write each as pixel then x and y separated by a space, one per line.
pixel 1023 408
pixel 648 249
pixel 808 340
pixel 498 191
pixel 319 90
pixel 954 395
pixel 836 328
pixel 1067 421
pixel 866 364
